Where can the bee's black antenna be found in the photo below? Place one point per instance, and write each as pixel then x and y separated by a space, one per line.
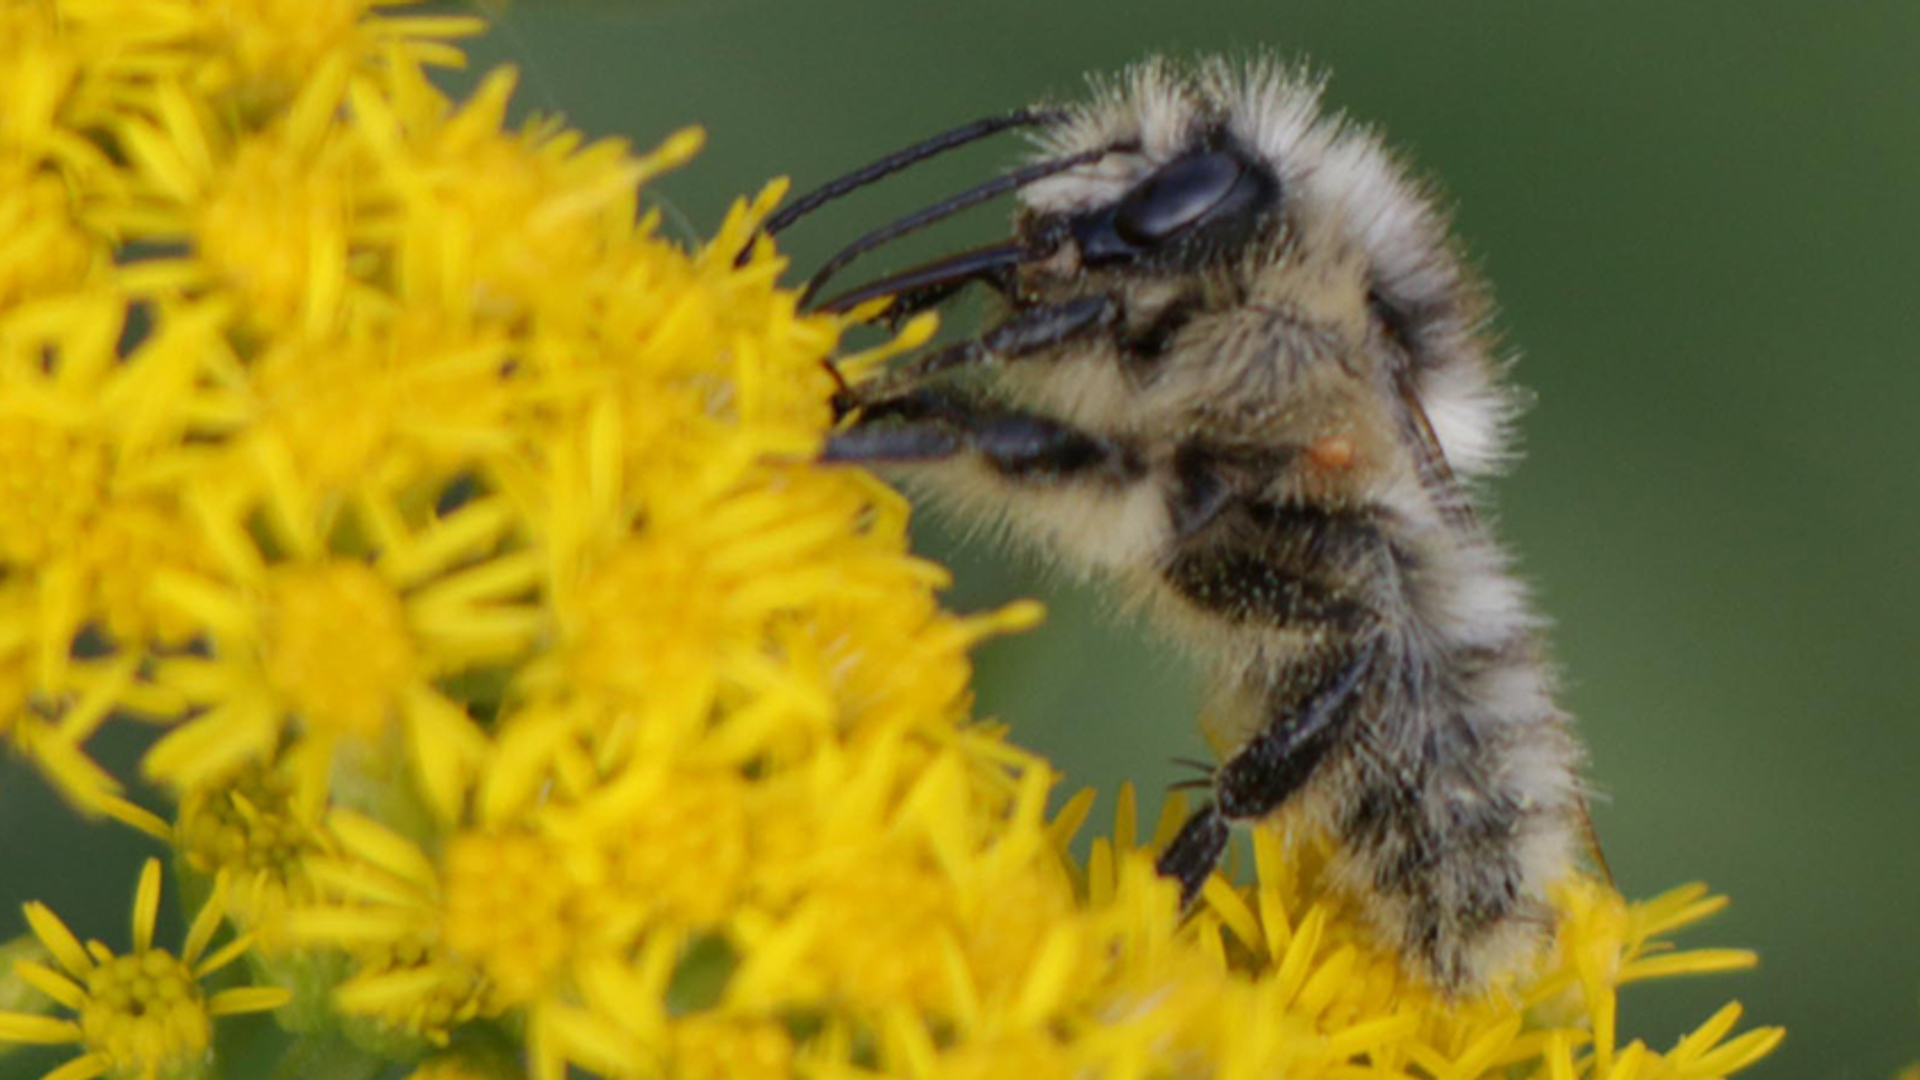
pixel 946 208
pixel 900 159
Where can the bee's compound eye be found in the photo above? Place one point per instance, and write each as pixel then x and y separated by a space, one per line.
pixel 1176 197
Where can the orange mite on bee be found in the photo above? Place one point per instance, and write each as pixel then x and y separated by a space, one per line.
pixel 1333 452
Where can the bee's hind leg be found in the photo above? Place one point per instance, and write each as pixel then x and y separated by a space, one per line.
pixel 1264 773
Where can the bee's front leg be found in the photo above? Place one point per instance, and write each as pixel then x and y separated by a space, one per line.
pixel 937 423
pixel 1027 333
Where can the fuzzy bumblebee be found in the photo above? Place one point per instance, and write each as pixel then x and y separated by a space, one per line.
pixel 1239 370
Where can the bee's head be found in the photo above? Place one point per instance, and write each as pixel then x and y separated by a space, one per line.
pixel 1181 181
pixel 1179 188
pixel 1167 172
pixel 1198 207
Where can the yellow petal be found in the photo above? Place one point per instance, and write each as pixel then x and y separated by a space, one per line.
pixel 382 847
pixel 84 1067
pixel 1691 962
pixel 1741 1052
pixel 146 906
pixel 51 983
pixel 246 999
pixel 226 954
pixel 58 939
pixel 39 1030
pixel 205 925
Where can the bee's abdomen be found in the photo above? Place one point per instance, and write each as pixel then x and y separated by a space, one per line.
pixel 1445 773
pixel 1457 810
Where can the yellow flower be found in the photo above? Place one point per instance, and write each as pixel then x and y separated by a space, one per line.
pixel 1320 995
pixel 87 447
pixel 531 697
pixel 340 652
pixel 141 1014
pixel 391 924
pixel 248 832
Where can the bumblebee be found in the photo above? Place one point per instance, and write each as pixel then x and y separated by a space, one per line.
pixel 1238 369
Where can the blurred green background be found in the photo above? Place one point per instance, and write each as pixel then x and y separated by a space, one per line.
pixel 1700 221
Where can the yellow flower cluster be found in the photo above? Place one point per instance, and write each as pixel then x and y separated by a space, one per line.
pixel 139 1014
pixel 523 683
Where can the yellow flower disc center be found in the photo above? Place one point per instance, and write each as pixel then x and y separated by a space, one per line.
pixel 652 620
pixel 338 651
pixel 124 546
pixel 248 825
pixel 144 1010
pixel 50 483
pixel 685 852
pixel 881 935
pixel 508 902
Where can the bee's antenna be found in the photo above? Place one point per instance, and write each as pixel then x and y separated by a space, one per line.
pixel 946 208
pixel 900 159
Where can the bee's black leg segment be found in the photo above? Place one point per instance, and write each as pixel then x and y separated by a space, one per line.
pixel 1030 447
pixel 1194 853
pixel 1030 331
pixel 1262 775
pixel 1273 764
pixel 930 424
pixel 894 442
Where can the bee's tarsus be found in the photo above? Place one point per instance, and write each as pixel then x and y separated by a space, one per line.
pixel 843 402
pixel 1194 853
